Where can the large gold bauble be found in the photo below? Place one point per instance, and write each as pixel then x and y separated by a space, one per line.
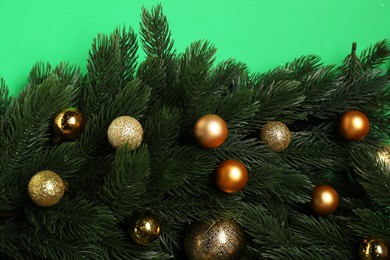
pixel 210 131
pixel 276 136
pixel 69 124
pixel 220 240
pixel 46 188
pixel 324 200
pixel 354 125
pixel 374 248
pixel 231 176
pixel 145 229
pixel 125 130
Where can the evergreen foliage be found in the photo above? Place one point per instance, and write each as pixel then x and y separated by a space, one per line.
pixel 170 175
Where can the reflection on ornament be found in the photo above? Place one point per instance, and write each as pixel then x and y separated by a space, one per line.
pixel 145 229
pixel 210 131
pixel 354 125
pixel 374 248
pixel 325 200
pixel 69 124
pixel 231 176
pixel 223 239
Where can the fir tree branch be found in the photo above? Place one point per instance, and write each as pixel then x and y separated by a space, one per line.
pixel 370 223
pixel 374 56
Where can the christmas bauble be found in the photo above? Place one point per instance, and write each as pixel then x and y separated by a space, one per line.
pixel 46 188
pixel 354 125
pixel 144 229
pixel 231 176
pixel 276 136
pixel 220 240
pixel 210 131
pixel 324 200
pixel 125 130
pixel 374 248
pixel 69 124
pixel 384 157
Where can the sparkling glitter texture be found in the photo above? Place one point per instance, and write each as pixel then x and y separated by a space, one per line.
pixel 221 240
pixel 125 130
pixel 46 188
pixel 276 136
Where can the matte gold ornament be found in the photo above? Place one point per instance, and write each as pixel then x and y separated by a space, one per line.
pixel 231 176
pixel 125 130
pixel 69 124
pixel 46 188
pixel 384 157
pixel 324 200
pixel 276 136
pixel 220 240
pixel 374 248
pixel 145 229
pixel 354 125
pixel 210 131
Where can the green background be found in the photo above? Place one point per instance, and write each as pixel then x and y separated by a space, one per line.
pixel 264 34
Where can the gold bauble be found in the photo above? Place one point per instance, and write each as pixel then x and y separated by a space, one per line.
pixel 231 176
pixel 384 157
pixel 46 188
pixel 324 200
pixel 69 124
pixel 354 125
pixel 210 131
pixel 125 130
pixel 276 136
pixel 145 229
pixel 220 240
pixel 374 248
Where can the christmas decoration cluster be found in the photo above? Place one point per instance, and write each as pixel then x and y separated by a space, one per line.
pixel 173 158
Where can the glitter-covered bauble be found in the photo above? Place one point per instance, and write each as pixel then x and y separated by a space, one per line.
pixel 231 176
pixel 125 130
pixel 384 157
pixel 220 240
pixel 354 125
pixel 374 248
pixel 276 136
pixel 210 131
pixel 145 229
pixel 46 188
pixel 324 200
pixel 69 124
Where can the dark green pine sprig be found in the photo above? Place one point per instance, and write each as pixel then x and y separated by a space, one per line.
pixel 170 175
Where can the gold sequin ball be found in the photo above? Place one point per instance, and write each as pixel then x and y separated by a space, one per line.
pixel 46 188
pixel 125 130
pixel 276 136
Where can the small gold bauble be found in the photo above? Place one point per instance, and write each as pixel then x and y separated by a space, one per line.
pixel 354 125
pixel 46 188
pixel 384 157
pixel 276 136
pixel 69 124
pixel 324 200
pixel 231 176
pixel 210 131
pixel 220 240
pixel 374 248
pixel 125 130
pixel 145 229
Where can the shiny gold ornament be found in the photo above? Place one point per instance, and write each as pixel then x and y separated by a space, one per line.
pixel 354 125
pixel 220 240
pixel 46 188
pixel 374 248
pixel 210 131
pixel 276 136
pixel 145 229
pixel 125 130
pixel 69 124
pixel 231 176
pixel 324 200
